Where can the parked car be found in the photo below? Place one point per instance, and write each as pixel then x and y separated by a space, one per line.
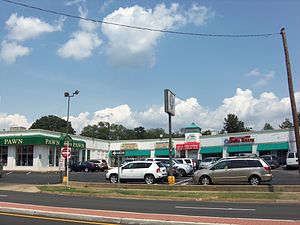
pixel 252 170
pixel 187 161
pixel 245 154
pixel 205 163
pixel 174 170
pixel 272 160
pixel 149 172
pixel 85 166
pixel 1 169
pixel 102 164
pixel 183 170
pixel 292 160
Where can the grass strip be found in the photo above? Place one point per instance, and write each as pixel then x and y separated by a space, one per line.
pixel 180 195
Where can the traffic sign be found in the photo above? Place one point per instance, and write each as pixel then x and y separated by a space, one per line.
pixel 117 152
pixel 66 152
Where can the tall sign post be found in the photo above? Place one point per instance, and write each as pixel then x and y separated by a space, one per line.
pixel 66 154
pixel 118 153
pixel 291 91
pixel 170 109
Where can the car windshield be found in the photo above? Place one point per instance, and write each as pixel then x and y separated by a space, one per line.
pixel 207 160
pixel 267 157
pixel 175 160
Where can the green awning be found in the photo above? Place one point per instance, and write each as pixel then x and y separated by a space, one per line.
pixel 273 146
pixel 211 149
pixel 239 148
pixel 163 152
pixel 39 140
pixel 137 153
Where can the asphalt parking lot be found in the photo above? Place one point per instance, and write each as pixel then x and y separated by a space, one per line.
pixel 281 176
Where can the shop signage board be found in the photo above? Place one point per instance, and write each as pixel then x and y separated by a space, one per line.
pixel 117 152
pixel 239 139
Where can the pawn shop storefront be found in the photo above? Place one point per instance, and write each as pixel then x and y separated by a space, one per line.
pixel 34 152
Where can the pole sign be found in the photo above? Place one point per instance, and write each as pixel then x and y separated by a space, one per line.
pixel 66 152
pixel 169 102
pixel 117 152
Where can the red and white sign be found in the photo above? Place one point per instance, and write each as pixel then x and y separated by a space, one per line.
pixel 66 152
pixel 188 146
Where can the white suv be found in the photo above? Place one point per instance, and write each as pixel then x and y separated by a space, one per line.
pixel 183 169
pixel 150 172
pixel 292 160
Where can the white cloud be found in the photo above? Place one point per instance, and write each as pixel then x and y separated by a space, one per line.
pixel 199 15
pixel 253 111
pixel 24 28
pixel 83 41
pixel 7 121
pixel 263 78
pixel 105 5
pixel 80 46
pixel 133 46
pixel 11 50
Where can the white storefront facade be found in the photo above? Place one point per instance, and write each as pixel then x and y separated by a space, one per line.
pixel 40 150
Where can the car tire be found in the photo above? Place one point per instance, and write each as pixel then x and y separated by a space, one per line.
pixel 86 170
pixel 149 179
pixel 204 180
pixel 254 180
pixel 182 173
pixel 113 178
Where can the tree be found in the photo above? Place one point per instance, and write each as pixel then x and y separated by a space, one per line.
pixel 206 132
pixel 268 127
pixel 52 123
pixel 286 124
pixel 232 124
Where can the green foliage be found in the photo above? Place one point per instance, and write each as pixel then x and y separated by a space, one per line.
pixel 268 127
pixel 206 132
pixel 107 131
pixel 52 123
pixel 232 124
pixel 286 124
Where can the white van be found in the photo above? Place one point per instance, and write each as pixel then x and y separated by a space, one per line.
pixel 292 160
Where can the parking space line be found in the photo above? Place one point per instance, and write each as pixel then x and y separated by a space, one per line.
pixel 28 173
pixel 9 173
pixel 184 182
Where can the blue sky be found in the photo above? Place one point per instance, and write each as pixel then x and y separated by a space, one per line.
pixel 121 73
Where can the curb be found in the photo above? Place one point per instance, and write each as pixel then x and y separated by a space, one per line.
pixel 92 218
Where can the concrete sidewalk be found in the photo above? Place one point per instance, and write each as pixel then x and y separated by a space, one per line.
pixel 131 217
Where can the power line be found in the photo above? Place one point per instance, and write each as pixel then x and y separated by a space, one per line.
pixel 141 28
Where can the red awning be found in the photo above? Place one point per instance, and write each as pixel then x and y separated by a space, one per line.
pixel 188 146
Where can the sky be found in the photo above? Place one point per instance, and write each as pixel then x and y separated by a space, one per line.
pixel 122 72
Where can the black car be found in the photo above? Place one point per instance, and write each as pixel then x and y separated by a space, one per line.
pixel 271 160
pixel 85 166
pixel 102 164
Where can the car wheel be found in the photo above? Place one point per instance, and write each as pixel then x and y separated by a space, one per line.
pixel 113 178
pixel 254 180
pixel 205 180
pixel 149 179
pixel 182 173
pixel 86 170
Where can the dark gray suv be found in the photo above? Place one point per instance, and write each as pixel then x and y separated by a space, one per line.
pixel 235 170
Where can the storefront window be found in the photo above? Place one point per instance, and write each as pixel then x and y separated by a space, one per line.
pixel 54 154
pixel 51 156
pixel 3 155
pixel 24 156
pixel 57 156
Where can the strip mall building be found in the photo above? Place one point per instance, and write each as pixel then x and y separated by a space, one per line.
pixel 40 150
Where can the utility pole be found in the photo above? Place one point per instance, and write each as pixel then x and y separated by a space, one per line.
pixel 291 91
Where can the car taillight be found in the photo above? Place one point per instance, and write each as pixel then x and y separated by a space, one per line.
pixel 158 170
pixel 267 168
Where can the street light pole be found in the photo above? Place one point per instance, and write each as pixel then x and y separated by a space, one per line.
pixel 67 95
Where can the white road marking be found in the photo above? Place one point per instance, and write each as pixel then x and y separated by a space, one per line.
pixel 28 173
pixel 9 173
pixel 4 196
pixel 212 208
pixel 185 181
